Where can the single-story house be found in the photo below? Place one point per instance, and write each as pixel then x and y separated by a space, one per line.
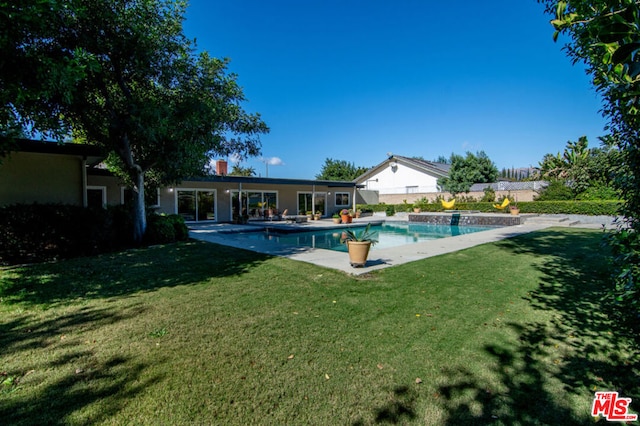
pixel 46 172
pixel 403 175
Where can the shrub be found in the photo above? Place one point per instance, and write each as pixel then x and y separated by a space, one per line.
pixel 43 232
pixel 160 230
pixel 556 190
pixel 181 229
pixel 489 195
pixel 599 193
pixel 592 208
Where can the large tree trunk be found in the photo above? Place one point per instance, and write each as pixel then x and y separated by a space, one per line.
pixel 136 173
pixel 139 213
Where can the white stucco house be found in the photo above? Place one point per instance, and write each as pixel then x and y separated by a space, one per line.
pixel 399 175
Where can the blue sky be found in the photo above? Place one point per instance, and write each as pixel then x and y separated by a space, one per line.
pixel 354 80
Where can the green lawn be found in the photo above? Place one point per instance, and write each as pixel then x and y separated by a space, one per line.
pixel 509 333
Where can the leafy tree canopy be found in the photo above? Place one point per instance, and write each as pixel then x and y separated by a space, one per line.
pixel 580 167
pixel 339 170
pixel 605 35
pixel 467 170
pixel 442 160
pixel 122 75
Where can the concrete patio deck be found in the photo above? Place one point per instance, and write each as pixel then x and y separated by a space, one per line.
pixel 378 258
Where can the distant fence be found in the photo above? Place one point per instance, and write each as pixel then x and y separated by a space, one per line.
pixel 535 185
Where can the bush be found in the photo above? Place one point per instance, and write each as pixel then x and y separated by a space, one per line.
pixel 591 208
pixel 163 229
pixel 181 230
pixel 556 190
pixel 489 195
pixel 160 230
pixel 599 193
pixel 43 232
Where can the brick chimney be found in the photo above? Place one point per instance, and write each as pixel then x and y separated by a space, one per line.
pixel 221 167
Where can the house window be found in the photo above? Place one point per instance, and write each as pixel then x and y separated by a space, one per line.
pixel 342 199
pixel 96 196
pixel 412 189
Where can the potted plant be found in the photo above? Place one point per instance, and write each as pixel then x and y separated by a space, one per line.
pixel 420 204
pixel 309 215
pixel 358 245
pixel 515 210
pixel 317 216
pixel 345 216
pixel 336 218
pixel 358 213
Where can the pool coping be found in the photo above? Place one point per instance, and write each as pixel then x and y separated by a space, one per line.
pixel 378 259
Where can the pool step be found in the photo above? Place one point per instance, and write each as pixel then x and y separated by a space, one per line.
pixel 551 220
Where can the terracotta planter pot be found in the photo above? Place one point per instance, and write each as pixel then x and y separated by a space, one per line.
pixel 358 252
pixel 346 218
pixel 416 209
pixel 336 220
pixel 515 211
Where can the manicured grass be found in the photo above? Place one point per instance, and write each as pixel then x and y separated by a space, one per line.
pixel 508 333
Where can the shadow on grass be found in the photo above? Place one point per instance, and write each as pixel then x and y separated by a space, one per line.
pixel 401 408
pixel 123 273
pixel 581 349
pixel 85 378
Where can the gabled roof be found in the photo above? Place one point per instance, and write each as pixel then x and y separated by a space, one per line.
pixel 429 167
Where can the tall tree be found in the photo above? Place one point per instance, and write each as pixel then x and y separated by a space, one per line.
pixel 605 35
pixel 339 170
pixel 467 170
pixel 31 82
pixel 139 90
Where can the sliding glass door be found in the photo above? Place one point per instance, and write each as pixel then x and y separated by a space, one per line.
pixel 196 204
pixel 312 202
pixel 252 205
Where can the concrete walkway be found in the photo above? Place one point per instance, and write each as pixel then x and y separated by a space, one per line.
pixel 379 258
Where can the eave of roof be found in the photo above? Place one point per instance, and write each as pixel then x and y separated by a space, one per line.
pixel 44 147
pixel 273 181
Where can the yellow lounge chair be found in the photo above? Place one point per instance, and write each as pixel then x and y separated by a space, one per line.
pixel 448 204
pixel 504 204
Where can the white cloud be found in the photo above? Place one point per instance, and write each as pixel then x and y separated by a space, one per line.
pixel 273 161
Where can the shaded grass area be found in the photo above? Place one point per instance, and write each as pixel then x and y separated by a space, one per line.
pixel 514 332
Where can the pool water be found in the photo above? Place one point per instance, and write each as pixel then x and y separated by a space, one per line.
pixel 387 234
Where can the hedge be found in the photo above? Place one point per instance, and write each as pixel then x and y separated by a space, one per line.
pixel 591 208
pixel 43 232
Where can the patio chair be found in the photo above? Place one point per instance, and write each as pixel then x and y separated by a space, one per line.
pixel 272 214
pixel 286 217
pixel 448 205
pixel 502 206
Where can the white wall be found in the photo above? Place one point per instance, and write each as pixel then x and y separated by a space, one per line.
pixel 396 180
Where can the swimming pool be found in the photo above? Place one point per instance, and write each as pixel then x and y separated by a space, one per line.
pixel 387 234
